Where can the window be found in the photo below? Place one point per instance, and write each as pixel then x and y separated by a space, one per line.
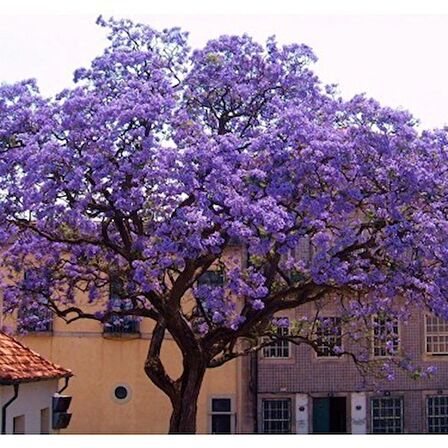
pixel 277 416
pixel 18 424
pixel 301 252
pixel 120 324
pixel 212 278
pixel 436 335
pixel 329 336
pixel 387 415
pixel 45 421
pixel 437 412
pixel 121 393
pixel 222 416
pixel 279 348
pixel 35 317
pixel 386 339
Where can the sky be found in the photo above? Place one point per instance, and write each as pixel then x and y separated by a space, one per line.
pixel 398 59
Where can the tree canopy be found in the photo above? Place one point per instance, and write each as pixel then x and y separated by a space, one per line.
pixel 160 158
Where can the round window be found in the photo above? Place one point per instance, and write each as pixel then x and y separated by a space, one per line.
pixel 121 393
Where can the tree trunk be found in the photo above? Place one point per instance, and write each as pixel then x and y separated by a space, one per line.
pixel 185 401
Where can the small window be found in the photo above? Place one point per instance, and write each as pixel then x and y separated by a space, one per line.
pixel 279 348
pixel 212 278
pixel 386 339
pixel 329 336
pixel 277 416
pixel 437 412
pixel 45 421
pixel 222 416
pixel 436 335
pixel 18 425
pixel 121 393
pixel 387 415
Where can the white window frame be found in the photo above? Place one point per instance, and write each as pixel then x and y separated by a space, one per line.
pixel 376 343
pixel 439 334
pixel 263 420
pixel 272 346
pixel 232 412
pixel 372 399
pixel 318 354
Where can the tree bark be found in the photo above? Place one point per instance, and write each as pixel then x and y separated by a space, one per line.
pixel 185 400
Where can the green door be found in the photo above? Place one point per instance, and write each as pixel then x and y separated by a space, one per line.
pixel 321 415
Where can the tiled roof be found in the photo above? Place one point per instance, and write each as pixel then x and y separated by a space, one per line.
pixel 19 364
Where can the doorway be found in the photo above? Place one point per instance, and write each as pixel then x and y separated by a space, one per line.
pixel 329 415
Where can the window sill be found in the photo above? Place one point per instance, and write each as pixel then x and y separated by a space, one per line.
pixel 121 335
pixel 38 333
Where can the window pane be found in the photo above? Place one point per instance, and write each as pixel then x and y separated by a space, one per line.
pixel 221 424
pixel 221 405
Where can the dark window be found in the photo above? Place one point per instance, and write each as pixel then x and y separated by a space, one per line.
pixel 221 416
pixel 35 317
pixel 437 407
pixel 277 416
pixel 121 392
pixel 212 278
pixel 119 324
pixel 387 415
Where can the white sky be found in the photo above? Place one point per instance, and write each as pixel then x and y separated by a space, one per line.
pixel 400 60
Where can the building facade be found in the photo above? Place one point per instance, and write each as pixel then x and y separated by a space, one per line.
pixel 294 389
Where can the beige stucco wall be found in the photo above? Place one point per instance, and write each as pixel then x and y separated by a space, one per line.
pixel 100 364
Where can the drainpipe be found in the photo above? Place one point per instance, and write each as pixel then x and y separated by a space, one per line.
pixel 65 385
pixel 5 406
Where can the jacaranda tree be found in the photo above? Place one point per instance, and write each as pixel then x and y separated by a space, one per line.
pixel 160 158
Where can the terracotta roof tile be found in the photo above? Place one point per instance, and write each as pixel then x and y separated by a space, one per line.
pixel 21 364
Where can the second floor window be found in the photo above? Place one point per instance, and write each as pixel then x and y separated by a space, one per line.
pixel 120 324
pixel 386 341
pixel 35 318
pixel 329 336
pixel 436 335
pixel 278 348
pixel 212 278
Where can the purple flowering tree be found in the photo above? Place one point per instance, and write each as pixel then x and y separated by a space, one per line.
pixel 160 159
